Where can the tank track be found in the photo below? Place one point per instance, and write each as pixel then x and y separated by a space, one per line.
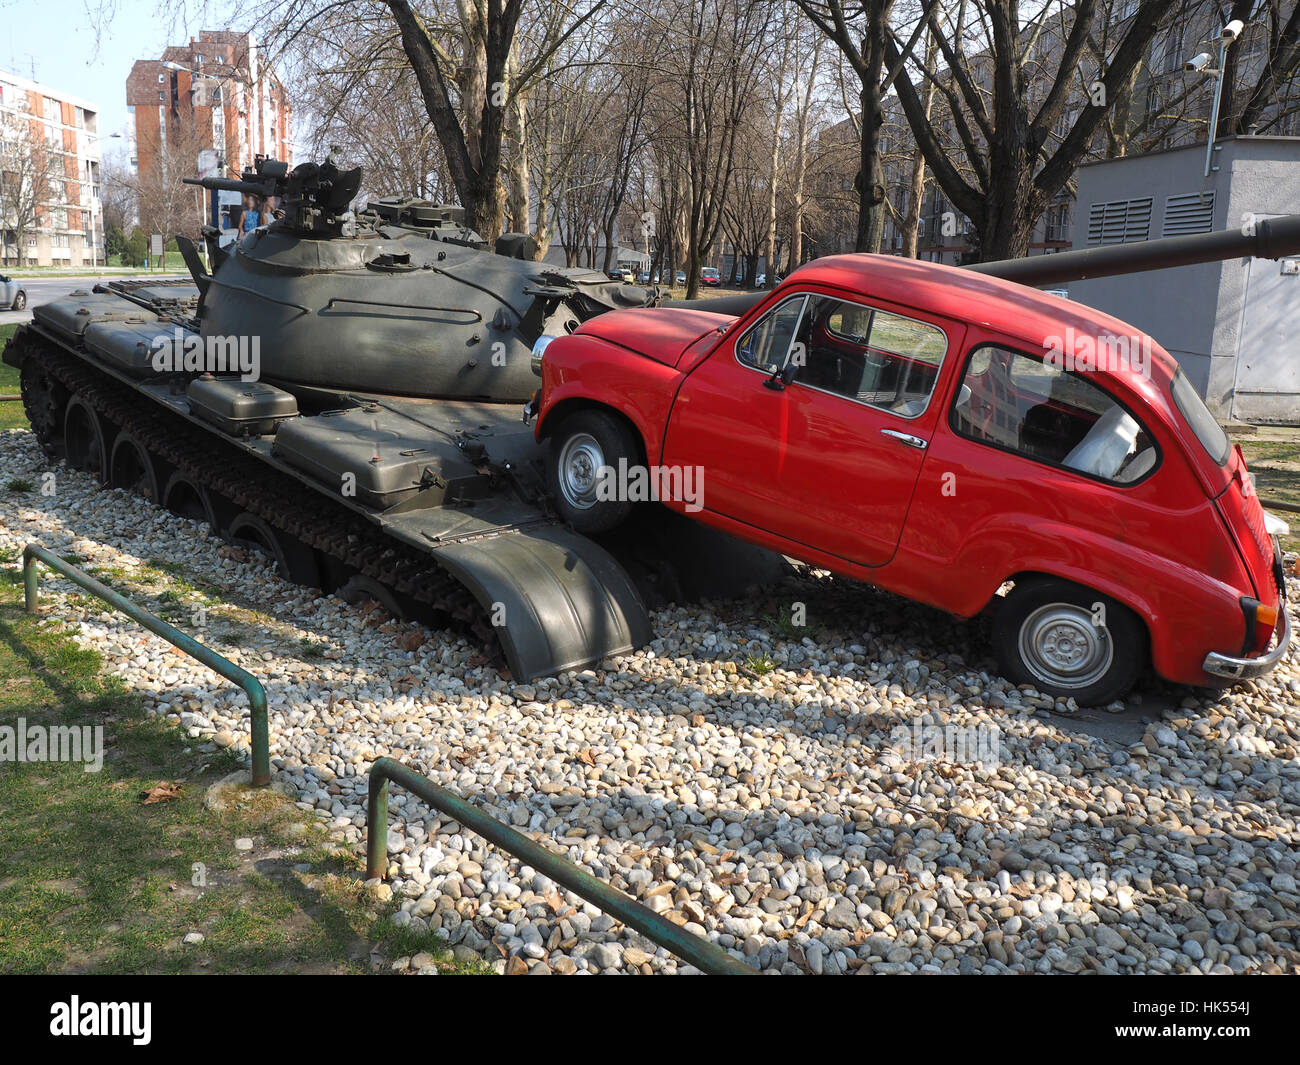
pixel 278 499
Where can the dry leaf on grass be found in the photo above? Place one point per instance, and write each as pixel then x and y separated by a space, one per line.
pixel 163 791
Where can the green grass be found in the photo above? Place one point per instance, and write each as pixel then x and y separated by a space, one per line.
pixel 92 880
pixel 1273 456
pixel 11 414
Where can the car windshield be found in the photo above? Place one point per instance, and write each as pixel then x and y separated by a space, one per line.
pixel 1198 417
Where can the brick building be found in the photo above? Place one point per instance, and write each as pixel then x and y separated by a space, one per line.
pixel 212 99
pixel 49 176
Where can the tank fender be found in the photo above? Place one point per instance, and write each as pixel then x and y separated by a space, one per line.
pixel 558 600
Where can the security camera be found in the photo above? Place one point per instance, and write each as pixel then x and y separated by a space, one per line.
pixel 1198 62
pixel 1232 30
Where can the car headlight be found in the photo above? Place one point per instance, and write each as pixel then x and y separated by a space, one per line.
pixel 539 349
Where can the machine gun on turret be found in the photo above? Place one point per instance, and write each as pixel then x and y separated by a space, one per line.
pixel 313 197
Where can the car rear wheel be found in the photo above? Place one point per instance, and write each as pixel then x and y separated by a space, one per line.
pixel 1069 641
pixel 20 301
pixel 584 445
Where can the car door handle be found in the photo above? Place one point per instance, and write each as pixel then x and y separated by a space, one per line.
pixel 907 438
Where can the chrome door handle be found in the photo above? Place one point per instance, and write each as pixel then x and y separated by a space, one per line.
pixel 907 438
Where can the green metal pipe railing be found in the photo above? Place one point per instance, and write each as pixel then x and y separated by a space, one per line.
pixel 708 957
pixel 259 729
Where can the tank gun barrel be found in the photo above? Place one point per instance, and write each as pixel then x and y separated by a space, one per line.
pixel 1266 238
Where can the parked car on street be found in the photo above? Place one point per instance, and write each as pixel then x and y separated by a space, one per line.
pixel 681 277
pixel 710 276
pixel 624 274
pixel 12 295
pixel 960 440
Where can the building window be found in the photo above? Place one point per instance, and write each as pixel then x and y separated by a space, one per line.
pixel 1058 222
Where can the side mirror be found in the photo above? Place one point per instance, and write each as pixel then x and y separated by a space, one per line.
pixel 781 377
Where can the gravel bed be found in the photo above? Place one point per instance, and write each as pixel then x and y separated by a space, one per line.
pixel 761 783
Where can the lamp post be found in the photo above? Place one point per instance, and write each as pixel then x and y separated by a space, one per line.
pixel 1200 63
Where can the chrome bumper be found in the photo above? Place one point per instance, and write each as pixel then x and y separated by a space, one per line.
pixel 1244 668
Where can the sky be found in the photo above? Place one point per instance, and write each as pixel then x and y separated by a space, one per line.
pixel 55 42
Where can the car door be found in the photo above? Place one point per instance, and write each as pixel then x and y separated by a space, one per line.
pixel 828 461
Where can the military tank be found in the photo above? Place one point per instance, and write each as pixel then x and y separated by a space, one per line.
pixel 342 391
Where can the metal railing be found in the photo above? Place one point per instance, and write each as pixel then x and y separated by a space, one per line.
pixel 708 957
pixel 258 727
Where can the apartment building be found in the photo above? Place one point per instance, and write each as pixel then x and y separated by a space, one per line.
pixel 50 191
pixel 207 107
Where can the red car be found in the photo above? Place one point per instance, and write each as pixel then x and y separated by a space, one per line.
pixel 939 433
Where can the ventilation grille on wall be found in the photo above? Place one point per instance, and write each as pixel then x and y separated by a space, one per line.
pixel 1119 222
pixel 1190 213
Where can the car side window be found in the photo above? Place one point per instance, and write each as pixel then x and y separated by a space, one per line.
pixel 868 355
pixel 1024 404
pixel 767 343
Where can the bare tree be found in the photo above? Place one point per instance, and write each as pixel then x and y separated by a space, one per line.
pixel 1277 73
pixel 27 170
pixel 471 120
pixel 916 179
pixel 866 48
pixel 355 86
pixel 164 204
pixel 708 84
pixel 1008 134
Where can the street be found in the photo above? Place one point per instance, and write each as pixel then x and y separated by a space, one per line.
pixel 45 289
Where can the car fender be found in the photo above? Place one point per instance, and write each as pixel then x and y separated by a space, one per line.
pixel 584 371
pixel 1187 613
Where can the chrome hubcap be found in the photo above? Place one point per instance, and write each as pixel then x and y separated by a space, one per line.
pixel 581 460
pixel 1062 646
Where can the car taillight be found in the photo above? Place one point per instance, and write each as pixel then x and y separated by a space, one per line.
pixel 1261 621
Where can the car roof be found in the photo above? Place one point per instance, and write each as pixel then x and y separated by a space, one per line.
pixel 1025 314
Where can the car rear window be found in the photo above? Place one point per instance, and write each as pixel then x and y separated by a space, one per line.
pixel 1020 403
pixel 1198 416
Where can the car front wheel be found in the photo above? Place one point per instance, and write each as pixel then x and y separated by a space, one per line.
pixel 20 301
pixel 585 450
pixel 1069 642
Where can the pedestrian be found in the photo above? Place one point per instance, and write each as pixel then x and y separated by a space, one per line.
pixel 253 212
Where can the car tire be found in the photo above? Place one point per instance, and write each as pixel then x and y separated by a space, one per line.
pixel 20 302
pixel 580 446
pixel 1069 641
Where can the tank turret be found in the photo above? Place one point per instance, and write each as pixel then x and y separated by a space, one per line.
pixel 401 297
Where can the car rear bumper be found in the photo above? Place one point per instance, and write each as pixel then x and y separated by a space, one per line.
pixel 1232 668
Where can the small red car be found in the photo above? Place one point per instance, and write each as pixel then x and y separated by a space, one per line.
pixel 939 433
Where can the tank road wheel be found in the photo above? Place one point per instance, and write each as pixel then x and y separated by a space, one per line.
pixel 1069 641
pixel 130 466
pixel 45 402
pixel 293 559
pixel 189 500
pixel 359 588
pixel 583 444
pixel 83 438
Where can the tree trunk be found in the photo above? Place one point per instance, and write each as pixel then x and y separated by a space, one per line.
pixel 870 174
pixel 775 163
pixel 916 186
pixel 800 170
